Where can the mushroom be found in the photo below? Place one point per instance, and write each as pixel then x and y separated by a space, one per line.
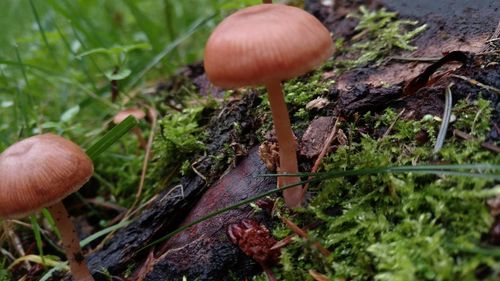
pixel 39 172
pixel 138 114
pixel 264 45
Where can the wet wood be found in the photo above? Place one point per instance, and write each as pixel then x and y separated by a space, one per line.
pixel 204 251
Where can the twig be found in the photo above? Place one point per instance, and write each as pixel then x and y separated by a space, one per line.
pixel 16 242
pixel 388 131
pixel 465 136
pixel 488 45
pixel 359 35
pixel 146 266
pixel 116 220
pixel 196 171
pixel 318 276
pixel 302 233
pixel 488 52
pixel 152 114
pixel 27 225
pixel 492 40
pixel 323 152
pixel 283 242
pixel 446 120
pixel 7 254
pixel 421 59
pixel 106 205
pixel 477 83
pixel 269 273
pixel 145 204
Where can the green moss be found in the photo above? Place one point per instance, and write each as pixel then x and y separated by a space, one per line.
pixel 382 33
pixel 298 92
pixel 4 274
pixel 179 138
pixel 473 117
pixel 399 226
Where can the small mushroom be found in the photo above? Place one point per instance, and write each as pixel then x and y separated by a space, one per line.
pixel 264 45
pixel 39 172
pixel 138 114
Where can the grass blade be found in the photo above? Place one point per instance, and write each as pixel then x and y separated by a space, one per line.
pixel 111 137
pixel 103 232
pixel 23 65
pixel 60 266
pixel 431 169
pixel 169 48
pixel 20 61
pixel 46 214
pixel 24 101
pixel 322 176
pixel 42 31
pixel 83 66
pixel 147 26
pixel 38 237
pixel 446 120
pixel 36 259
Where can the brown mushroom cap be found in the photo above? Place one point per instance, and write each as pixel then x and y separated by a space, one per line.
pixel 137 113
pixel 264 43
pixel 40 171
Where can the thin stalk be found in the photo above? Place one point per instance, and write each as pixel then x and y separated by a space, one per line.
pixel 287 144
pixel 42 32
pixel 71 243
pixel 424 169
pixel 446 120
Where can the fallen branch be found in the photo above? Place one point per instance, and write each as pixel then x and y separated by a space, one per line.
pixel 465 136
pixel 477 83
pixel 302 233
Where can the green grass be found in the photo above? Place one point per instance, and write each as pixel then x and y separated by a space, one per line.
pixel 57 60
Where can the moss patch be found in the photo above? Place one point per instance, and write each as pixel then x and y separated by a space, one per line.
pixel 404 226
pixel 379 33
pixel 179 138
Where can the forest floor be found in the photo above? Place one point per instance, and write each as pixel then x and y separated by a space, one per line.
pixel 397 197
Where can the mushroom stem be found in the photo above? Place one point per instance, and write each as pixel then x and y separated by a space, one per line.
pixel 287 144
pixel 70 243
pixel 138 133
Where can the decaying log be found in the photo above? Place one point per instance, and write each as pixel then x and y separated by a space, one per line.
pixel 204 251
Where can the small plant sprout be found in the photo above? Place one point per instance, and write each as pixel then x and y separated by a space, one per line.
pixel 39 172
pixel 117 56
pixel 264 45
